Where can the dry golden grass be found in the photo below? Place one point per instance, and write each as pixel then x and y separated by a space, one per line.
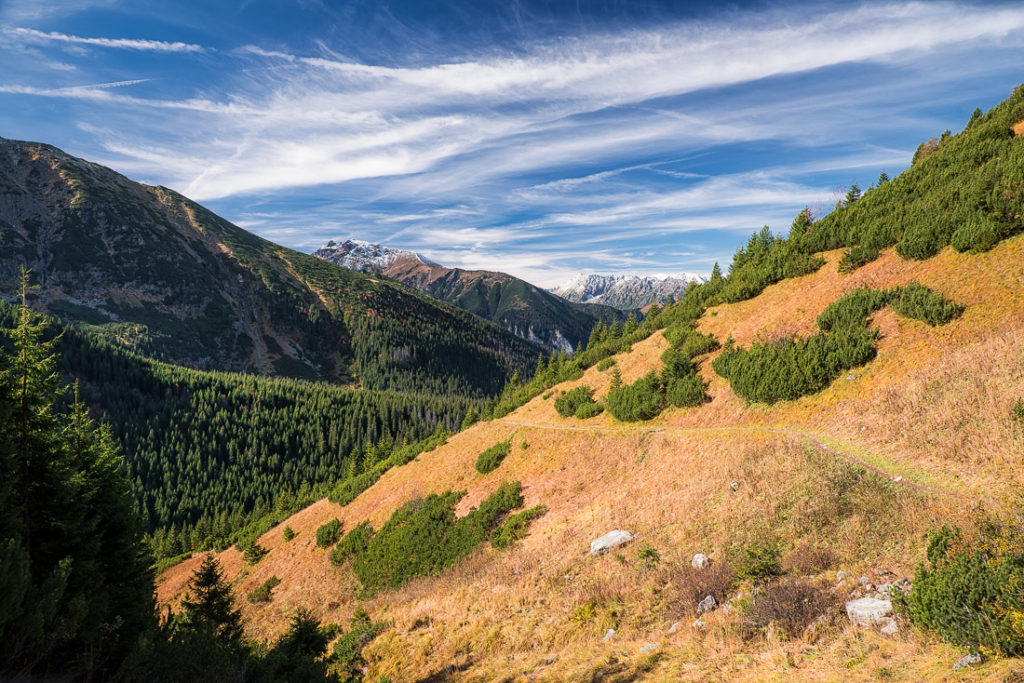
pixel 934 407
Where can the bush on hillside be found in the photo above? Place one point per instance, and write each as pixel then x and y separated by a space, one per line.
pixel 787 369
pixel 979 233
pixel 569 403
pixel 970 592
pixel 917 301
pixel 490 459
pixel 423 537
pixel 254 553
pixel 355 542
pixel 288 534
pixel 347 652
pixel 514 527
pixel 328 534
pixel 790 606
pixel 716 580
pixel 758 561
pixel 263 592
pixel 605 364
pixel 687 391
pixel 589 410
pixel 641 400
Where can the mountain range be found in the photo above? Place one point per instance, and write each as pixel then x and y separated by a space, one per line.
pixel 153 271
pixel 626 291
pixel 520 307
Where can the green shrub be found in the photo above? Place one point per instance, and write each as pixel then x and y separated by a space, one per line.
pixel 787 369
pixel 641 400
pixel 980 233
pixel 648 556
pixel 686 391
pixel 328 534
pixel 925 237
pixel 568 403
pixel 970 593
pixel 1017 412
pixel 857 256
pixel 605 364
pixel 348 649
pixel 355 542
pixel 589 410
pixel 514 527
pixel 288 534
pixel 490 459
pixel 263 592
pixel 919 302
pixel 423 537
pixel 254 553
pixel 758 561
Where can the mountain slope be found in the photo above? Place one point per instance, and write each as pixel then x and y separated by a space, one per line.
pixel 625 291
pixel 160 274
pixel 524 309
pixel 851 476
pixel 930 409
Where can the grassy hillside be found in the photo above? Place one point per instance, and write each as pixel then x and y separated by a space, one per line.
pixel 151 270
pixel 934 408
pixel 852 475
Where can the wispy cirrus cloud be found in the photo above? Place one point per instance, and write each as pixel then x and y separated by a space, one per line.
pixel 34 36
pixel 620 141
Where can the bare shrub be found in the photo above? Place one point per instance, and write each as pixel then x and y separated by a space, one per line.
pixel 808 560
pixel 790 605
pixel 694 585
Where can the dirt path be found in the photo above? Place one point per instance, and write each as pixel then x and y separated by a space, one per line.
pixel 782 431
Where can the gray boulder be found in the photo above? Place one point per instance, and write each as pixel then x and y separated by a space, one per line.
pixel 610 541
pixel 966 661
pixel 868 611
pixel 706 605
pixel 700 561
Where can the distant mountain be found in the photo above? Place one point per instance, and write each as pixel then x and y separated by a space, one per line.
pixel 153 271
pixel 625 291
pixel 523 309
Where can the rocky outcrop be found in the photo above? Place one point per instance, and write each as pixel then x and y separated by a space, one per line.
pixel 625 291
pixel 610 541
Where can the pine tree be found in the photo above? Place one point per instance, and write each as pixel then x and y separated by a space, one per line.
pixel 209 605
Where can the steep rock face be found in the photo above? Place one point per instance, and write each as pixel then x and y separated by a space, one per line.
pixel 523 309
pixel 625 291
pixel 148 268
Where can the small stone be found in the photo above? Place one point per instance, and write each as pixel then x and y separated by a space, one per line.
pixel 869 587
pixel 734 485
pixel 889 626
pixel 840 575
pixel 863 580
pixel 698 624
pixel 851 377
pixel 706 605
pixel 674 627
pixel 700 561
pixel 649 647
pixel 966 661
pixel 610 541
pixel 608 636
pixel 898 478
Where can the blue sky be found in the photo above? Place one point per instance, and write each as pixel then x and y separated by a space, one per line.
pixel 538 138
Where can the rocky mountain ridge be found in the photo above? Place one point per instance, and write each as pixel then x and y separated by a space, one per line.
pixel 524 309
pixel 626 291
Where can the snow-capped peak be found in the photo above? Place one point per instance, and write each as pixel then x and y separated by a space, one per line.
pixel 365 256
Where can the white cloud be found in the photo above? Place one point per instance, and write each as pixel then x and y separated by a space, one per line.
pixel 32 35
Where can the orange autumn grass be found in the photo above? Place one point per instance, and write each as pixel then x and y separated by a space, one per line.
pixel 933 408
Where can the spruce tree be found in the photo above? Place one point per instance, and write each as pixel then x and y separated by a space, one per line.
pixel 209 606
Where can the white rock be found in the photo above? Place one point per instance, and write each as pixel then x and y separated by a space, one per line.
pixel 649 647
pixel 966 661
pixel 698 624
pixel 735 485
pixel 706 605
pixel 610 541
pixel 889 626
pixel 674 627
pixel 868 611
pixel 608 636
pixel 700 561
